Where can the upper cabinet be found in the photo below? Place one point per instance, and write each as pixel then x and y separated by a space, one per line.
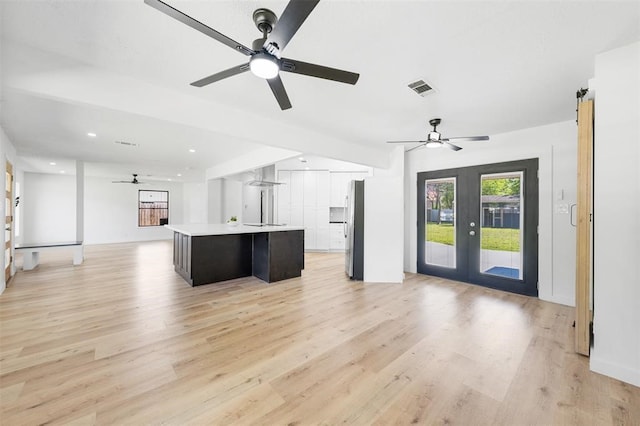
pixel 339 186
pixel 304 199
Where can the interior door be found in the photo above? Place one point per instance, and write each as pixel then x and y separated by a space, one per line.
pixel 480 225
pixel 8 224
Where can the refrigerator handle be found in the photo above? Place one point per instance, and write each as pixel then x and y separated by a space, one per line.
pixel 344 216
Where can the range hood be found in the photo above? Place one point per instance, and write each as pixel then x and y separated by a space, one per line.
pixel 259 177
pixel 262 183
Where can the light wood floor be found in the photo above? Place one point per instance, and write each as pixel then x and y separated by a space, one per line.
pixel 122 339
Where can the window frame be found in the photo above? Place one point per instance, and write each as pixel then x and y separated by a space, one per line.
pixel 140 208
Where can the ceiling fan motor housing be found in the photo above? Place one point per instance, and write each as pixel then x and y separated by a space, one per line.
pixel 265 20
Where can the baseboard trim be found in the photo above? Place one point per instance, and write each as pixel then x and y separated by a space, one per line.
pixel 620 372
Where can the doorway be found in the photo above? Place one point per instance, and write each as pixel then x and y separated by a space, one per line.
pixel 8 223
pixel 480 225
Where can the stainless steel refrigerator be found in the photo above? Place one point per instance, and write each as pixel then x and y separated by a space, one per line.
pixel 354 230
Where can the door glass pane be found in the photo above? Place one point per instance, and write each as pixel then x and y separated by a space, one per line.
pixel 440 222
pixel 501 225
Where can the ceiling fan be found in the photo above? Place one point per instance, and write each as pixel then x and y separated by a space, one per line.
pixel 134 181
pixel 435 140
pixel 265 58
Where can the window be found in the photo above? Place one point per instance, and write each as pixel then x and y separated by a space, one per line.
pixel 153 208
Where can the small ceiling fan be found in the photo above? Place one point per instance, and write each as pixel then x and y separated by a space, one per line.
pixel 265 60
pixel 133 181
pixel 435 140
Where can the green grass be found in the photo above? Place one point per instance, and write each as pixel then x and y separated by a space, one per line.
pixel 442 234
pixel 492 238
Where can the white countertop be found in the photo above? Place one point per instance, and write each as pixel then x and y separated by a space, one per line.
pixel 200 229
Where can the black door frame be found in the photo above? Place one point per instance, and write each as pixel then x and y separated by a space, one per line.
pixel 467 250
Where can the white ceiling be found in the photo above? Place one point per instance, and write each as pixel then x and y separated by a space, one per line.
pixel 122 69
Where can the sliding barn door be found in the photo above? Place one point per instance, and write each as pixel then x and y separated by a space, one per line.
pixel 584 211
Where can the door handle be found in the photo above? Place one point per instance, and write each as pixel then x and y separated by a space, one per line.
pixel 571 215
pixel 472 233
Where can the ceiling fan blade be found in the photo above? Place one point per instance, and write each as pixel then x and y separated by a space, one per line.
pixel 279 92
pixel 416 147
pixel 468 138
pixel 291 19
pixel 197 25
pixel 221 75
pixel 313 70
pixel 450 145
pixel 406 141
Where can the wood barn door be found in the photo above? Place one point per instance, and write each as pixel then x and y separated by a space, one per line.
pixel 584 209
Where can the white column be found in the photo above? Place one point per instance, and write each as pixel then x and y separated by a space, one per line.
pixel 79 201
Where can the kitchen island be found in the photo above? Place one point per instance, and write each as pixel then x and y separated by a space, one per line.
pixel 210 253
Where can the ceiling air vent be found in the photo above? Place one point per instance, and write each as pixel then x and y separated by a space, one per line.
pixel 125 143
pixel 421 88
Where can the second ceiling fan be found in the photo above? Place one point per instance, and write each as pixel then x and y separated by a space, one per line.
pixel 265 58
pixel 435 139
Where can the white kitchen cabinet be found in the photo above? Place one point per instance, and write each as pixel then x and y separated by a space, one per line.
pixel 337 239
pixel 335 189
pixel 316 217
pixel 339 186
pixel 283 198
pixel 297 198
pixel 303 199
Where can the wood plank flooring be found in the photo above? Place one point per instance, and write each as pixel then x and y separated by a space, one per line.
pixel 122 339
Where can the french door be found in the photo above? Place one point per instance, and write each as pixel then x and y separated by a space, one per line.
pixel 480 225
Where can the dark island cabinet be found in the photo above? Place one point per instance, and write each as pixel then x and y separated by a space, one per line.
pixel 270 256
pixel 278 255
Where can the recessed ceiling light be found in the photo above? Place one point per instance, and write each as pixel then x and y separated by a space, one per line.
pixel 91 135
pixel 61 171
pixel 52 163
pixel 179 174
pixel 192 150
pixel 169 179
pixel 306 168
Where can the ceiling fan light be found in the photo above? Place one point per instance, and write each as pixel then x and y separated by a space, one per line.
pixel 434 136
pixel 433 144
pixel 264 65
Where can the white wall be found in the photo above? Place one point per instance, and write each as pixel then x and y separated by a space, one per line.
pixel 214 200
pixel 616 350
pixel 7 153
pixel 313 162
pixel 224 200
pixel 195 201
pixel 48 208
pixel 384 222
pixel 111 211
pixel 555 147
pixel 232 200
pixel 251 204
pixel 383 229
